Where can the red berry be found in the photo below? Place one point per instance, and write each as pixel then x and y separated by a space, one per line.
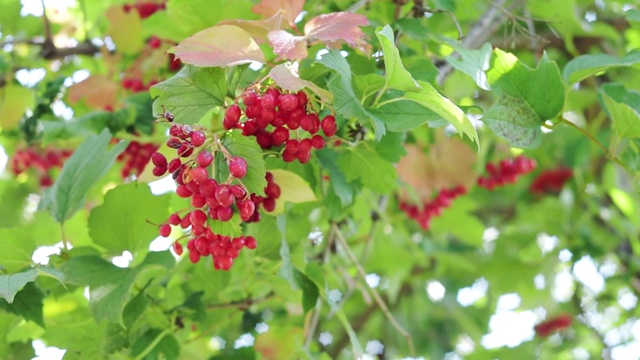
pixel 246 208
pixel 269 204
pixel 238 191
pixel 317 142
pixel 165 230
pixel 198 138
pixel 250 242
pixel 310 123
pixel 238 167
pixel 264 139
pixel 174 219
pixel 272 190
pixel 194 256
pixel 198 217
pixel 174 165
pixel 291 146
pixel 232 114
pixel 158 159
pixel 204 159
pixel 224 213
pixel 287 102
pixel 208 187
pixel 329 126
pixel 183 191
pixel 199 174
pixel 177 248
pixel 279 136
pixel 268 102
pixel 253 111
pixel 225 262
pixel 174 143
pixel 224 196
pixel 249 128
pixel 159 171
pixel 302 98
pixel 154 42
pixel 249 98
pixel 198 200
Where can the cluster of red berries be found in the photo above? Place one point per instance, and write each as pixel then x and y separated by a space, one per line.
pixel 136 85
pixel 550 181
pixel 430 209
pixel 548 327
pixel 41 160
pixel 506 172
pixel 275 117
pixel 209 199
pixel 144 9
pixel 136 157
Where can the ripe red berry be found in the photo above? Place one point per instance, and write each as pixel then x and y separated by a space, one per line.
pixel 159 171
pixel 194 256
pixel 249 97
pixel 264 139
pixel 246 208
pixel 249 128
pixel 158 159
pixel 238 167
pixel 279 136
pixel 208 187
pixel 329 126
pixel 269 204
pixel 238 191
pixel 177 248
pixel 272 190
pixel 310 123
pixel 183 191
pixel 198 200
pixel 204 159
pixel 174 143
pixel 198 217
pixel 165 230
pixel 224 213
pixel 199 174
pixel 287 102
pixel 174 219
pixel 154 42
pixel 198 138
pixel 224 196
pixel 174 165
pixel 291 146
pixel 232 114
pixel 317 142
pixel 302 98
pixel 250 242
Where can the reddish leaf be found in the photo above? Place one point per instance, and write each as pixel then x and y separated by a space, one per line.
pixel 97 91
pixel 289 8
pixel 287 78
pixel 258 29
pixel 288 46
pixel 221 45
pixel 336 27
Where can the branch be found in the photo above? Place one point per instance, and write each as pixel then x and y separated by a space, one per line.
pixel 242 304
pixel 376 296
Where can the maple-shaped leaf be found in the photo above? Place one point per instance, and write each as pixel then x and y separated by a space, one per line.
pixel 286 76
pixel 330 29
pixel 288 46
pixel 221 45
pixel 335 27
pixel 258 29
pixel 98 91
pixel 290 9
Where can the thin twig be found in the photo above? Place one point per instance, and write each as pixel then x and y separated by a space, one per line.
pixel 595 141
pixel 376 296
pixel 242 304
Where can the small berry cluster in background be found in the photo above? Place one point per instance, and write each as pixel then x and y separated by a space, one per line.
pixel 145 8
pixel 135 158
pixel 550 326
pixel 209 199
pixel 40 160
pixel 506 172
pixel 423 214
pixel 550 181
pixel 275 118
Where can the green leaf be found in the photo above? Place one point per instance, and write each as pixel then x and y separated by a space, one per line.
pixel 449 223
pixel 248 149
pixel 156 344
pixel 397 77
pixel 541 88
pixel 515 121
pixel 11 284
pixel 14 100
pixel 125 28
pixel 294 189
pixel 27 303
pixel 472 62
pixel 584 66
pixel 124 221
pixel 89 163
pixel 190 93
pixel 309 289
pixel 400 116
pixel 346 103
pixel 622 106
pixel 362 163
pixel 232 228
pixel 110 285
pixel 328 158
pixel 442 106
pixel 391 147
pixel 134 309
pixel 286 268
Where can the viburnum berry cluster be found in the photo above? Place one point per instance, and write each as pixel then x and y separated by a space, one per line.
pixel 506 172
pixel 281 120
pixel 550 326
pixel 550 181
pixel 423 214
pixel 43 161
pixel 210 200
pixel 136 157
pixel 144 8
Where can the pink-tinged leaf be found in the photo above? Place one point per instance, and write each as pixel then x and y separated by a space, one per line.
pixel 221 45
pixel 336 27
pixel 287 78
pixel 290 9
pixel 98 91
pixel 288 46
pixel 258 29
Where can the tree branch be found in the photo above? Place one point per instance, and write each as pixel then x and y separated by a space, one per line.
pixel 242 304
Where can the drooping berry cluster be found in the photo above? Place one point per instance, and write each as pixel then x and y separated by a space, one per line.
pixel 136 157
pixel 276 119
pixel 550 326
pixel 430 209
pixel 550 181
pixel 506 172
pixel 210 200
pixel 43 161
pixel 145 8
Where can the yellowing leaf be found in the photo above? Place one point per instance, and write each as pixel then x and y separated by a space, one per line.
pixel 289 9
pixel 287 78
pixel 125 29
pixel 97 91
pixel 293 189
pixel 14 100
pixel 222 45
